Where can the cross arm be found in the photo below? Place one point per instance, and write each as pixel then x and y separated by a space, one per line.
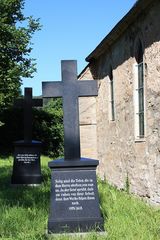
pixel 37 102
pixel 88 88
pixel 52 89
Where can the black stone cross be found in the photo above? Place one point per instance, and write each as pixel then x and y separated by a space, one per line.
pixel 70 89
pixel 27 103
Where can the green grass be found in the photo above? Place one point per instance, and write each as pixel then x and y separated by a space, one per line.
pixel 24 211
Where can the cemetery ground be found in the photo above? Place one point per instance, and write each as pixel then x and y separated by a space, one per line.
pixel 24 211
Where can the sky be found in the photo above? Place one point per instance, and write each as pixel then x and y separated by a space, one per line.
pixel 71 30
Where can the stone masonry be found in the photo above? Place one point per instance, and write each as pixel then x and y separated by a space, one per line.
pixel 88 123
pixel 123 159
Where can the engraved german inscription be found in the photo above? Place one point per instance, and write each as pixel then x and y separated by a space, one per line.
pixel 74 191
pixel 27 158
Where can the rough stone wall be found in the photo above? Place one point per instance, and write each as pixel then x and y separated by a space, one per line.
pixel 122 158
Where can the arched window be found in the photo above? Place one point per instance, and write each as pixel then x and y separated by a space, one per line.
pixel 139 91
pixel 112 108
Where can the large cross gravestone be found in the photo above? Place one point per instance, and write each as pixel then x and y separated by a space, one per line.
pixel 26 166
pixel 74 196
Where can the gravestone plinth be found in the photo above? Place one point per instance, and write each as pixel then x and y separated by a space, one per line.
pixel 74 197
pixel 26 167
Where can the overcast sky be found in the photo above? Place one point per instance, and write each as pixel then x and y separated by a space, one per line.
pixel 71 30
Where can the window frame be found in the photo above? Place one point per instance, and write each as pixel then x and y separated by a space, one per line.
pixel 139 101
pixel 111 97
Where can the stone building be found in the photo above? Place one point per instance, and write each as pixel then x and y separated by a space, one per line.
pixel 121 127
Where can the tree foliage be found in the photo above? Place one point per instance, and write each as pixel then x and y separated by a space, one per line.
pixel 47 127
pixel 16 32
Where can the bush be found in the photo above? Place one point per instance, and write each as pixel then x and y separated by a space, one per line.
pixel 47 127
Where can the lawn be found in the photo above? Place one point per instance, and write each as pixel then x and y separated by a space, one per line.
pixel 24 211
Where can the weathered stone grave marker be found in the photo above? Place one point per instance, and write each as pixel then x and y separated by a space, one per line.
pixel 74 195
pixel 26 166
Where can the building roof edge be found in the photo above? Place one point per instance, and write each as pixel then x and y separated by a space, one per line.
pixel 119 28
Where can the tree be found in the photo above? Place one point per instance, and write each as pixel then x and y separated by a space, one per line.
pixel 16 32
pixel 47 127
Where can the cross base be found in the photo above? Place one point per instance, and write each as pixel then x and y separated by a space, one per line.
pixel 72 226
pixel 74 197
pixel 71 163
pixel 26 166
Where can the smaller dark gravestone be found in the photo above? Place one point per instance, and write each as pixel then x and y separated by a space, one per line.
pixel 74 195
pixel 26 166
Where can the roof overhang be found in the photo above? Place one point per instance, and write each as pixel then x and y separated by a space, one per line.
pixel 119 29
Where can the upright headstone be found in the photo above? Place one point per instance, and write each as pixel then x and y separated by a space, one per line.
pixel 74 195
pixel 26 166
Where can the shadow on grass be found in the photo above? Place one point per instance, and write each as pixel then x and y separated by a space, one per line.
pixel 25 196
